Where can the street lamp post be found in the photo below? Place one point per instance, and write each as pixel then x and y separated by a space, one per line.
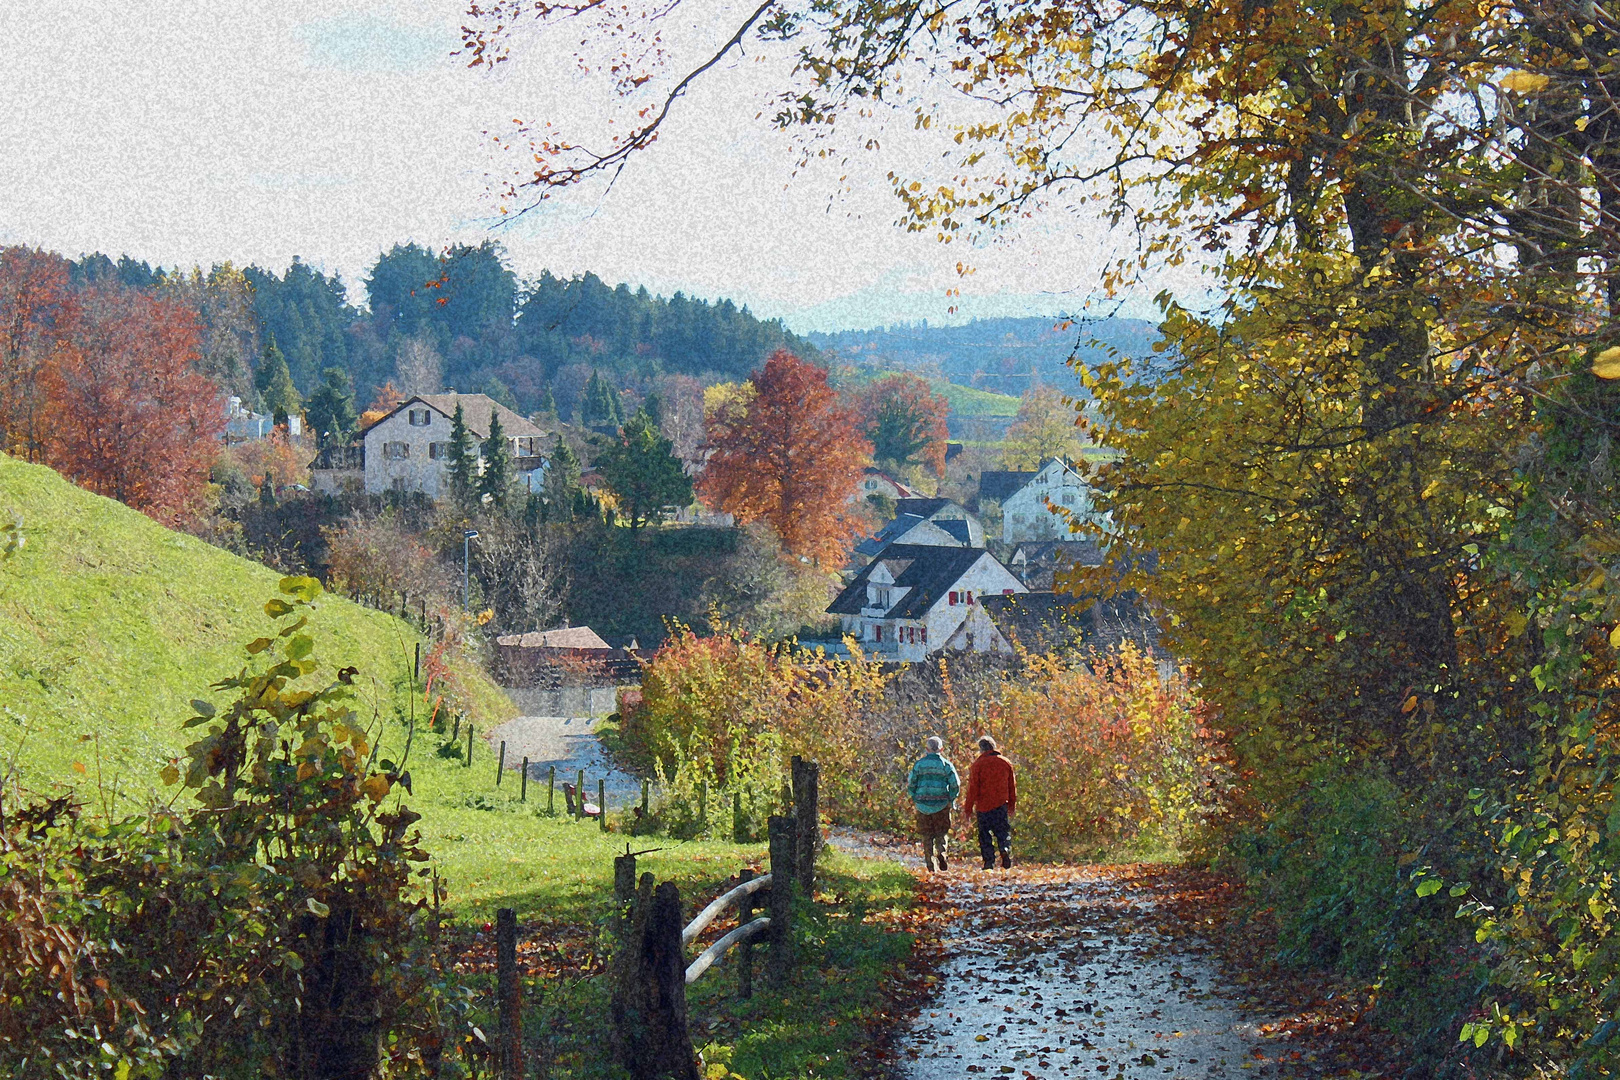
pixel 467 537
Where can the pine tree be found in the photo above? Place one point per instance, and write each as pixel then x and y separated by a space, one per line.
pixel 496 478
pixel 461 460
pixel 275 385
pixel 601 407
pixel 548 406
pixel 654 408
pixel 331 407
pixel 643 471
pixel 562 482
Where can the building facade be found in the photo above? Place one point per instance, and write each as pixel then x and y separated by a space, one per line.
pixel 1045 505
pixel 907 602
pixel 408 450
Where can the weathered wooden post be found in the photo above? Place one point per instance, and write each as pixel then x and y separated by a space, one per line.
pixel 745 949
pixel 551 792
pixel 469 745
pixel 509 995
pixel 784 882
pixel 624 894
pixel 500 764
pixel 601 804
pixel 807 813
pixel 455 730
pixel 523 788
pixel 416 669
pixel 579 795
pixel 648 1002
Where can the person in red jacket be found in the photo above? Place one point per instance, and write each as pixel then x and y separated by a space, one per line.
pixel 992 795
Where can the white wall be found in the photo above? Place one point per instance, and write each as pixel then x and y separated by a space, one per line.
pixel 1024 515
pixel 419 472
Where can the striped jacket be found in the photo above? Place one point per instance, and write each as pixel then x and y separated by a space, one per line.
pixel 933 785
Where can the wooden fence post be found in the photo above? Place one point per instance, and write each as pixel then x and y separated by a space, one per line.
pixel 579 796
pixel 648 997
pixel 624 894
pixel 509 994
pixel 784 841
pixel 523 788
pixel 455 730
pixel 807 813
pixel 500 764
pixel 745 950
pixel 416 671
pixel 551 792
pixel 469 745
pixel 601 804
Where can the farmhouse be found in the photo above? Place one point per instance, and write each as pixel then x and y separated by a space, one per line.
pixel 909 600
pixel 408 450
pixel 1044 505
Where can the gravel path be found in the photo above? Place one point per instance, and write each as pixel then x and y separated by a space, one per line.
pixel 568 743
pixel 1069 971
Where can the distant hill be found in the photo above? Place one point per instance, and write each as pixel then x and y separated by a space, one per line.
pixel 110 624
pixel 998 355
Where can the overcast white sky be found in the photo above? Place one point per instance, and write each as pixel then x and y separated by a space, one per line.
pixel 187 133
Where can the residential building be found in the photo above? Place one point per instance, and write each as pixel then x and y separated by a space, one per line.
pixel 906 603
pixel 1045 505
pixel 879 483
pixel 934 522
pixel 408 450
pixel 1038 562
pixel 1043 622
pixel 243 425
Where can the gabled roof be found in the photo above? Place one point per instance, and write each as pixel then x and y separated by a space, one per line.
pixel 997 484
pixel 927 575
pixel 568 637
pixel 1042 621
pixel 1048 553
pixel 900 485
pixel 476 410
pixel 920 530
pixel 923 508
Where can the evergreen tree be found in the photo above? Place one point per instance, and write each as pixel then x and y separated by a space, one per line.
pixel 643 472
pixel 331 407
pixel 461 461
pixel 548 405
pixel 654 408
pixel 562 488
pixel 496 478
pixel 277 394
pixel 601 406
pixel 267 493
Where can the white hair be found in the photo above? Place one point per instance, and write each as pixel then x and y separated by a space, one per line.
pixel 935 744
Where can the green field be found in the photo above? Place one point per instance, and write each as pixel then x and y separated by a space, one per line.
pixel 111 624
pixel 964 400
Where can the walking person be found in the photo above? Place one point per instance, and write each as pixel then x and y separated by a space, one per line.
pixel 992 795
pixel 933 787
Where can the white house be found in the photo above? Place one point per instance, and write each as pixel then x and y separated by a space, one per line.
pixel 908 601
pixel 408 450
pixel 877 482
pixel 244 425
pixel 935 522
pixel 1043 507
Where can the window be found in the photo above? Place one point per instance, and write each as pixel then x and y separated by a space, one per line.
pixel 969 595
pixel 925 635
pixel 1068 498
pixel 1006 592
pixel 421 418
pixel 398 483
pixel 396 451
pixel 877 634
pixel 953 599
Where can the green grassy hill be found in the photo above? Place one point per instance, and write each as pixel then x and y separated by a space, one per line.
pixel 110 624
pixel 966 401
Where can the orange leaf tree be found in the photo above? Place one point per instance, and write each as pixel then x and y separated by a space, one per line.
pixel 790 459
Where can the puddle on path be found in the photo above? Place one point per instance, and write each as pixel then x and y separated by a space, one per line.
pixel 1062 972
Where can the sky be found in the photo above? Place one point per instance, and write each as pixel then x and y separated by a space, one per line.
pixel 188 134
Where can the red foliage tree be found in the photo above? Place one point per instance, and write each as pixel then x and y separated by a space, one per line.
pixel 130 416
pixel 791 460
pixel 905 422
pixel 37 313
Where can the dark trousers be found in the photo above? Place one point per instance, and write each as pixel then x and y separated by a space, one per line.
pixel 994 823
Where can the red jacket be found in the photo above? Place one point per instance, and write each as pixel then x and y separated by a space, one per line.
pixel 990 784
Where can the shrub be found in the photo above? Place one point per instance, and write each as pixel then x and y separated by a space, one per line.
pixel 272 927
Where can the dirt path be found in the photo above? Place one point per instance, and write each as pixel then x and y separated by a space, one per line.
pixel 1108 972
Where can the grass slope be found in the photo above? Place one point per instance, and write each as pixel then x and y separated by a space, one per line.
pixel 967 401
pixel 110 624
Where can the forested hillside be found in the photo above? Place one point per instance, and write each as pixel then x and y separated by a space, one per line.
pixel 1000 355
pixel 428 321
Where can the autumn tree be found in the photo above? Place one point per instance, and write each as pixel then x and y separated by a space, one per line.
pixel 131 418
pixel 37 314
pixel 642 471
pixel 790 457
pixel 1045 428
pixel 904 421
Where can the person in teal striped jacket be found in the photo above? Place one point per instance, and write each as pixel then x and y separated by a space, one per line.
pixel 933 787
